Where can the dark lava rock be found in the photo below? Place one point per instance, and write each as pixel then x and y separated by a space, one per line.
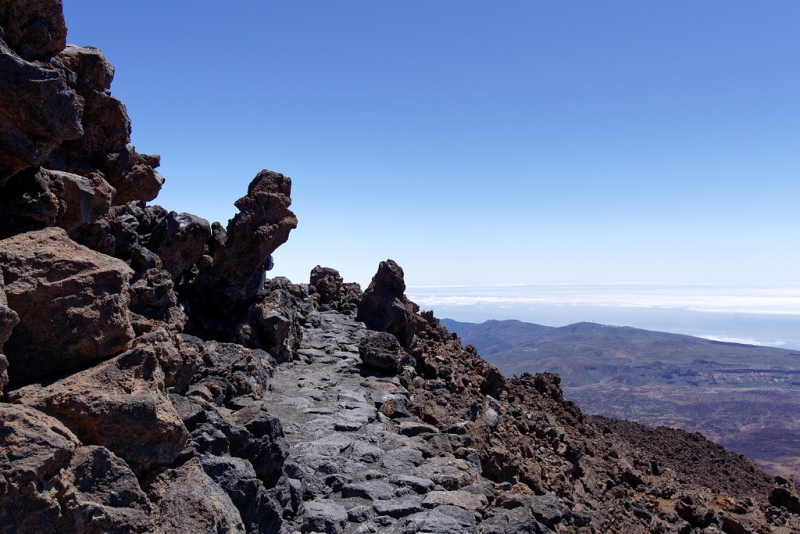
pixel 384 306
pixel 381 351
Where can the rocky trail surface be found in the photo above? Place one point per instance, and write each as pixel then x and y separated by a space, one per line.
pixel 152 383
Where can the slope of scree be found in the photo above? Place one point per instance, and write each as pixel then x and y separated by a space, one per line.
pixel 151 384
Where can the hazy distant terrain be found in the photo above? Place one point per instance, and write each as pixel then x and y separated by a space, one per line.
pixel 745 397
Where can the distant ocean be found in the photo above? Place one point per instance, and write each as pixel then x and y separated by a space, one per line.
pixel 756 315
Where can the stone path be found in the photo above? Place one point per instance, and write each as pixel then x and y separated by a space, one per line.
pixel 361 470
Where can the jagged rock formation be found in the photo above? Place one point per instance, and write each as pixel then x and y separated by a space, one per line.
pixel 155 387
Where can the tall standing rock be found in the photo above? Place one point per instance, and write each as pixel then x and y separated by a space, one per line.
pixel 226 282
pixel 384 306
pixel 71 301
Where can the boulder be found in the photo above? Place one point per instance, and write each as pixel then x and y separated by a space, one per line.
pixel 34 447
pixel 119 405
pixel 327 283
pixel 273 324
pixel 382 352
pixel 102 495
pixel 38 110
pixel 34 28
pixel 71 301
pixel 180 241
pixel 384 306
pixel 221 372
pixel 38 198
pixel 185 499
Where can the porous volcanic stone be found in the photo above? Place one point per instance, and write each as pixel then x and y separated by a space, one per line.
pixel 71 301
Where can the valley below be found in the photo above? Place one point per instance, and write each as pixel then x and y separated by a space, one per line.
pixel 744 397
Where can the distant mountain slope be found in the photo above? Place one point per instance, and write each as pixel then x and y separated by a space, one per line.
pixel 745 397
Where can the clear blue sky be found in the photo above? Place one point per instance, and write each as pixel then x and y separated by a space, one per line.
pixel 479 142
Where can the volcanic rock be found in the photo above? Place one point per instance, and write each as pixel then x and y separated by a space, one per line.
pixel 329 291
pixel 39 198
pixel 179 239
pixel 227 280
pixel 8 320
pixel 187 500
pixel 381 351
pixel 34 29
pixel 38 110
pixel 71 301
pixel 119 405
pixel 384 306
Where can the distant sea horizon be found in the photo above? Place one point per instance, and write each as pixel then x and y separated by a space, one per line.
pixel 767 315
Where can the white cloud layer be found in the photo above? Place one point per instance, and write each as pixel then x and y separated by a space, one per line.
pixel 762 300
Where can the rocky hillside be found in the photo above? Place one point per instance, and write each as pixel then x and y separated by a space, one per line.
pixel 150 384
pixel 726 391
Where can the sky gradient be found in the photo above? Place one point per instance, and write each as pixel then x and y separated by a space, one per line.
pixel 480 143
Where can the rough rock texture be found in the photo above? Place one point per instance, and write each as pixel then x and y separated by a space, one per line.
pixel 318 424
pixel 187 500
pixel 384 306
pixel 262 225
pixel 34 29
pixel 226 282
pixel 274 323
pixel 381 351
pixel 38 111
pixel 38 198
pixel 330 292
pixel 71 301
pixel 8 320
pixel 105 143
pixel 119 405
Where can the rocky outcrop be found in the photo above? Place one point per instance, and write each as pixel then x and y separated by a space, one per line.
pixel 384 306
pixel 71 301
pixel 329 291
pixel 157 387
pixel 226 282
pixel 119 405
pixel 34 29
pixel 38 110
pixel 38 198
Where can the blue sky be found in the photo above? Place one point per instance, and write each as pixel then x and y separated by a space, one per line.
pixel 480 143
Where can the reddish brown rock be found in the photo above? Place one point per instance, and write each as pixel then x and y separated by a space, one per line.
pixel 38 198
pixel 261 226
pixel 38 110
pixel 8 320
pixel 120 405
pixel 330 292
pixel 101 494
pixel 106 142
pixel 384 306
pixel 187 500
pixel 71 301
pixel 33 448
pixel 228 279
pixel 34 28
